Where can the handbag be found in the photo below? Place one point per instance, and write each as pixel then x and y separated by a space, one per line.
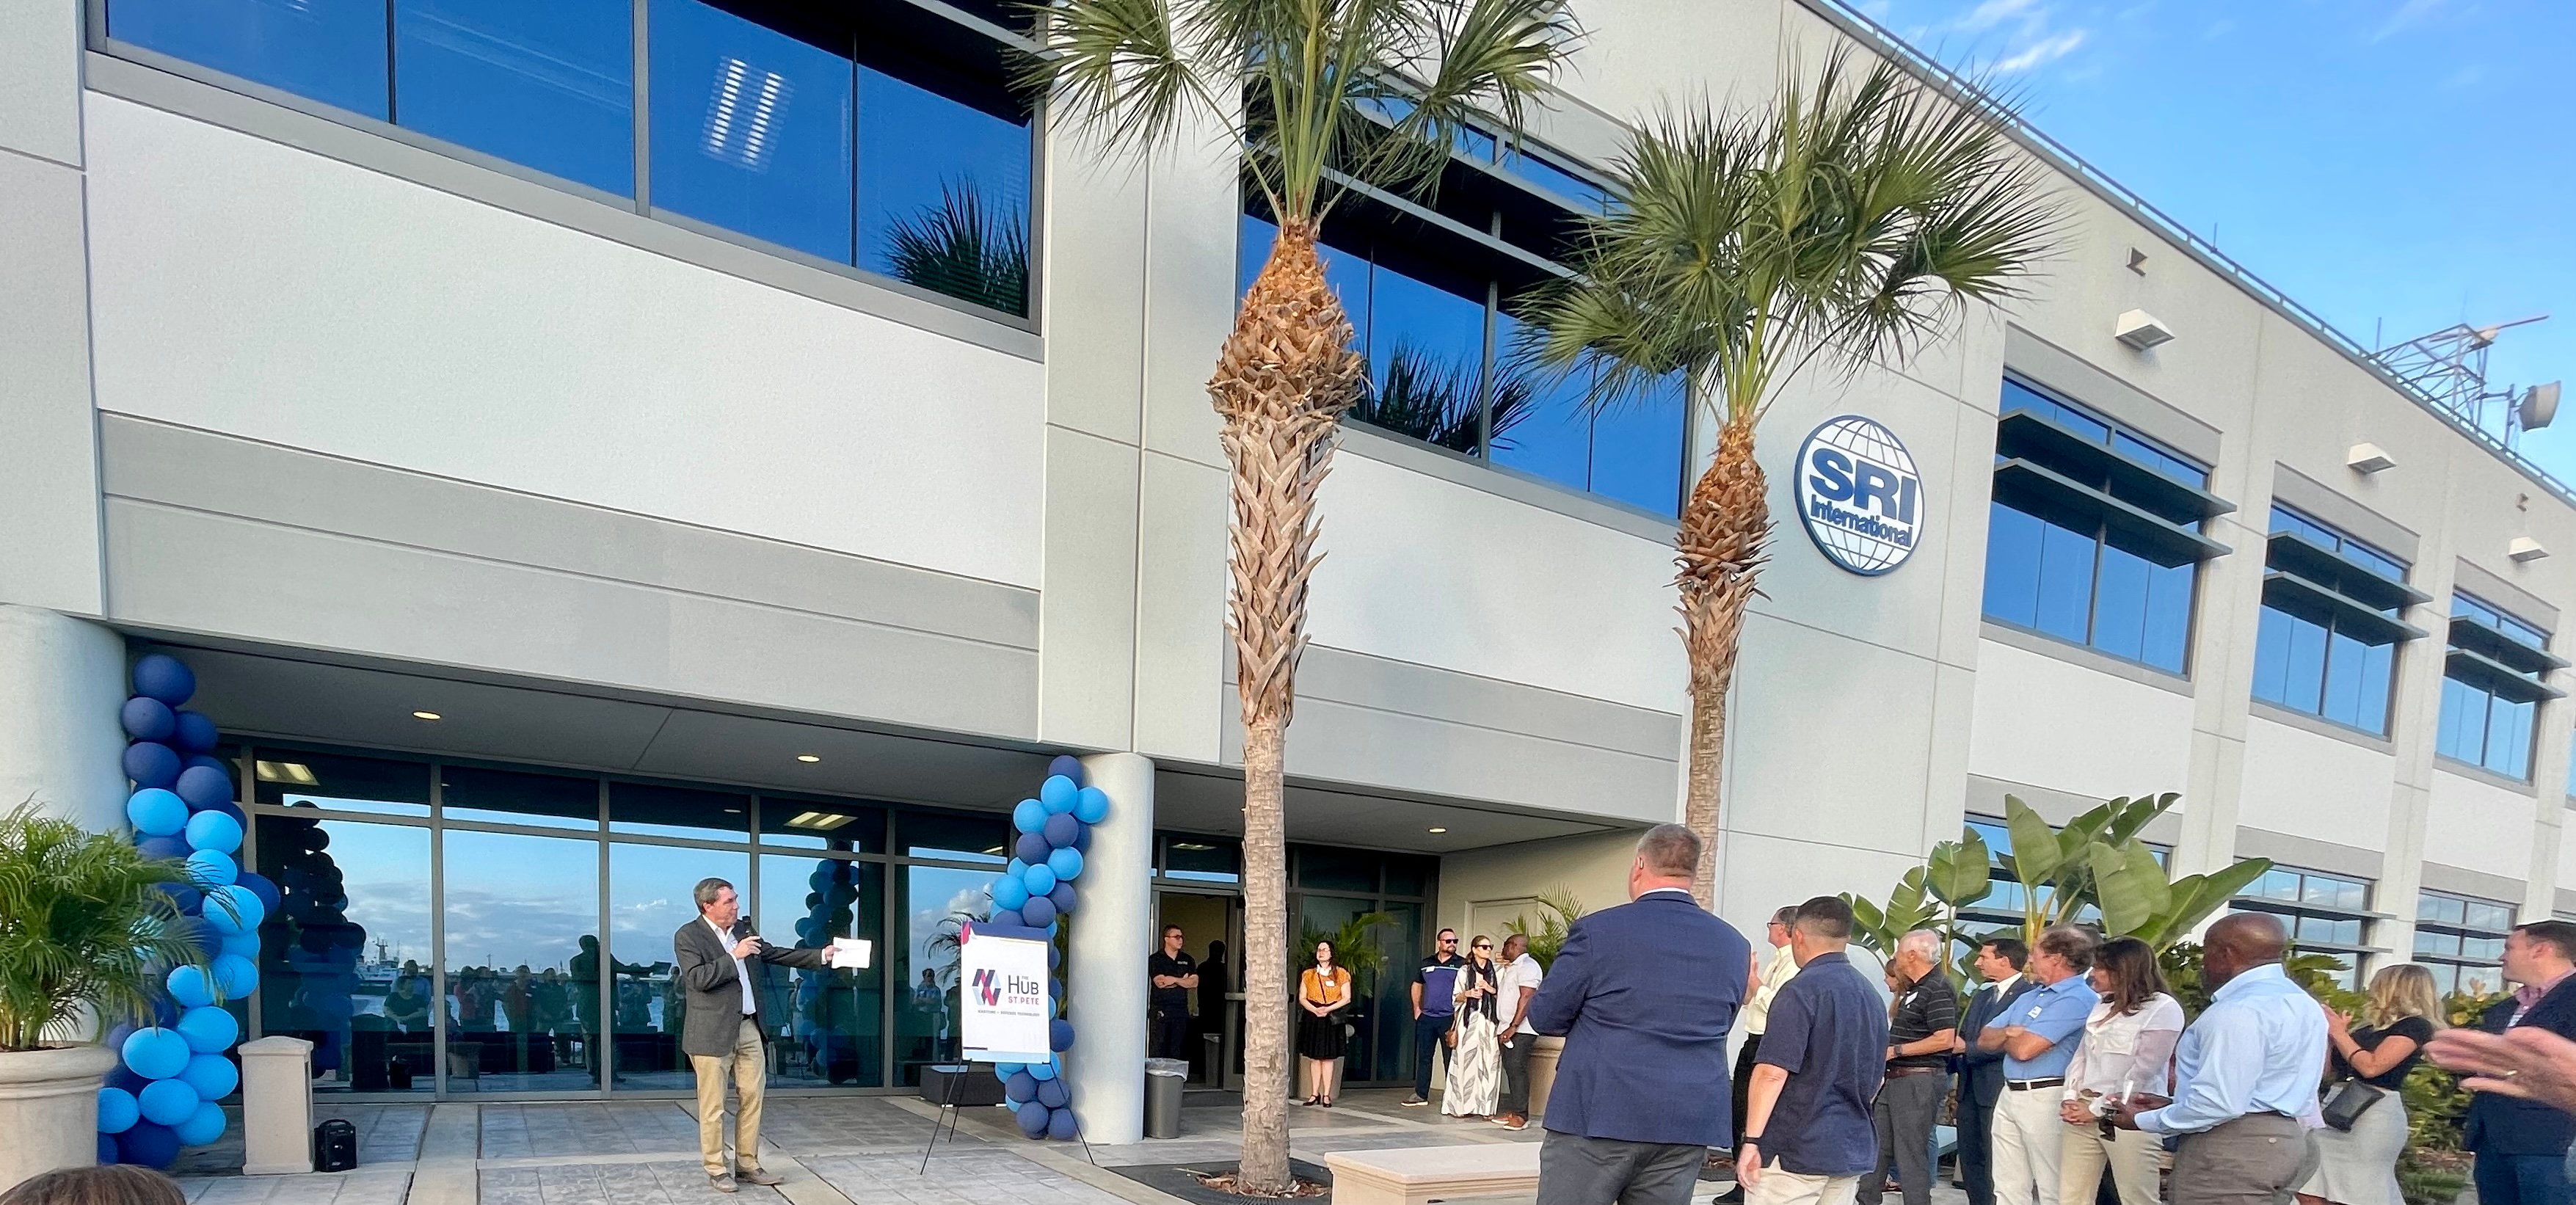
pixel 2347 1101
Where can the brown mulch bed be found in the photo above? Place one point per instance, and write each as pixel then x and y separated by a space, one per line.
pixel 1224 1183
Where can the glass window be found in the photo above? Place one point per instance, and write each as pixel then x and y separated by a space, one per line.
pixel 751 128
pixel 943 179
pixel 1410 876
pixel 650 896
pixel 1567 185
pixel 1630 449
pixel 332 51
pixel 2307 658
pixel 522 917
pixel 1326 868
pixel 2316 908
pixel 550 85
pixel 1202 859
pixel 2487 714
pixel 649 809
pixel 345 960
pixel 342 784
pixel 2461 939
pixel 821 824
pixel 935 901
pixel 833 1020
pixel 504 797
pixel 955 837
pixel 1425 342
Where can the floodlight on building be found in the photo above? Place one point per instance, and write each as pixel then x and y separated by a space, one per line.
pixel 2369 458
pixel 2525 549
pixel 2141 330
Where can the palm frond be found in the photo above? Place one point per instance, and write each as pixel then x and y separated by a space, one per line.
pixel 85 926
pixel 1128 72
pixel 964 248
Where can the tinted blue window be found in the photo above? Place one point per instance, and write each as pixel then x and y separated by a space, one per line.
pixel 2066 582
pixel 551 85
pixel 1540 425
pixel 2272 655
pixel 332 51
pixel 944 187
pixel 1537 170
pixel 2307 669
pixel 2508 750
pixel 1426 353
pixel 2169 615
pixel 2344 662
pixel 751 129
pixel 2012 565
pixel 1637 449
pixel 2120 609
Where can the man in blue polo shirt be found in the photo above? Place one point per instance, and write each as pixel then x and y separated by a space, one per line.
pixel 2038 1038
pixel 1434 1010
pixel 1808 1131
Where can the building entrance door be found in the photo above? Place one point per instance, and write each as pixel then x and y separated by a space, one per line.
pixel 1212 932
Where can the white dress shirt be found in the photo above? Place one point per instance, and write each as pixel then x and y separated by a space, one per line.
pixel 2126 1053
pixel 1756 1014
pixel 2256 1049
pixel 740 972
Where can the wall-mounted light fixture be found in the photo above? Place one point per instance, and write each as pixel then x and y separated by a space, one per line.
pixel 2139 329
pixel 2369 458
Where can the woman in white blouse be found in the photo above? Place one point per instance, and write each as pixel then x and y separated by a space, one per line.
pixel 2127 1049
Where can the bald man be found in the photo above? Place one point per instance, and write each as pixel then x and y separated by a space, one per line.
pixel 2245 1089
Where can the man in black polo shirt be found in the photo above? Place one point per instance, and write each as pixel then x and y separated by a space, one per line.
pixel 1918 1055
pixel 1435 1008
pixel 1809 1138
pixel 1173 973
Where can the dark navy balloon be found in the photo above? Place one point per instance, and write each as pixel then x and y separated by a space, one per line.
pixel 148 719
pixel 164 677
pixel 152 765
pixel 1032 848
pixel 1032 1118
pixel 1063 899
pixel 148 1144
pixel 261 887
pixel 1037 913
pixel 201 787
pixel 1060 1125
pixel 1059 1035
pixel 1066 765
pixel 1053 1094
pixel 193 732
pixel 1021 1087
pixel 1060 830
pixel 1008 917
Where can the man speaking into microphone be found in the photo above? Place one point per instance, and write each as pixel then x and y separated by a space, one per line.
pixel 723 966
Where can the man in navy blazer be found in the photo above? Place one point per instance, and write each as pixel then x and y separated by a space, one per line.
pixel 1981 1072
pixel 1643 995
pixel 2522 1145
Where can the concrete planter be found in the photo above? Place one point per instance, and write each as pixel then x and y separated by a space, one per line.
pixel 49 1109
pixel 1542 1073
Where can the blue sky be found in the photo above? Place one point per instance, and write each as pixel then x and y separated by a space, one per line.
pixel 2395 165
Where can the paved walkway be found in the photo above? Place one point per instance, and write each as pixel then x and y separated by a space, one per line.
pixel 830 1151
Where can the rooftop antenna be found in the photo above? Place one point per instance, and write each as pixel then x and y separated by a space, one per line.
pixel 2450 367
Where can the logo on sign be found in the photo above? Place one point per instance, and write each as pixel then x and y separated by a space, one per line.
pixel 1859 495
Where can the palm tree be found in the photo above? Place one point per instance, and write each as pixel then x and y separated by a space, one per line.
pixel 964 248
pixel 1849 221
pixel 1317 94
pixel 1439 402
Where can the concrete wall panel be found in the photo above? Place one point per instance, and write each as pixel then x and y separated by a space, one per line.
pixel 2310 785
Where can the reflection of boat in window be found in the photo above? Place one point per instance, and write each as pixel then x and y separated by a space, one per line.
pixel 376 976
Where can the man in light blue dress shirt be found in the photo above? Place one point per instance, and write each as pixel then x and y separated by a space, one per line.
pixel 2245 1083
pixel 2037 1036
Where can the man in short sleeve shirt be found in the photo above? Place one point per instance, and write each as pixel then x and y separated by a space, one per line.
pixel 2038 1037
pixel 1808 1137
pixel 1435 1007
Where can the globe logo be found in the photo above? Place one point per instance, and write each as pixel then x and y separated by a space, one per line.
pixel 1859 495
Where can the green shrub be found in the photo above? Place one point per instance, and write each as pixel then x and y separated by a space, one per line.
pixel 84 928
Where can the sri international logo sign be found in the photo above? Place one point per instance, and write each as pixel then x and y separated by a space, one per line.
pixel 1859 495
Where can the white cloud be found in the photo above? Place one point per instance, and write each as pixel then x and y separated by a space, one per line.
pixel 2410 13
pixel 2046 50
pixel 2218 29
pixel 1991 13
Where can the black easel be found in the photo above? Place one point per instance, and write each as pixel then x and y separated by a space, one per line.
pixel 951 1082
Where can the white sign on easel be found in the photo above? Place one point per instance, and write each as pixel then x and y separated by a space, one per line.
pixel 1003 991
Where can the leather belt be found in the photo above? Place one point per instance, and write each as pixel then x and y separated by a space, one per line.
pixel 2033 1085
pixel 1902 1072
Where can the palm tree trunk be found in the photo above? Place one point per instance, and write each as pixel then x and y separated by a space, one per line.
pixel 1285 378
pixel 1720 552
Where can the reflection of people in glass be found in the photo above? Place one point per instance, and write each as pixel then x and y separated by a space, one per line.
pixel 407 1006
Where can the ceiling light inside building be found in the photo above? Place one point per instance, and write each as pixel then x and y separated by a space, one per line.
pixel 1437 830
pixel 427 715
pixel 287 771
pixel 818 821
pixel 807 757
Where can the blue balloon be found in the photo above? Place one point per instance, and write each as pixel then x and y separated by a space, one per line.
pixel 213 868
pixel 1007 1070
pixel 261 887
pixel 200 759
pixel 1060 1125
pixel 1021 1088
pixel 148 719
pixel 107 1150
pixel 1039 879
pixel 183 897
pixel 1028 815
pixel 194 733
pixel 1009 917
pixel 1031 848
pixel 1042 1072
pixel 1033 1119
pixel 1059 1035
pixel 1008 893
pixel 155 1053
pixel 235 976
pixel 212 1075
pixel 208 1030
pixel 1066 863
pixel 1063 899
pixel 215 831
pixel 1014 868
pixel 164 677
pixel 162 847
pixel 148 1144
pixel 1053 1094
pixel 117 1111
pixel 1037 913
pixel 189 986
pixel 1055 989
pixel 1057 793
pixel 233 909
pixel 1091 806
pixel 155 812
pixel 151 765
pixel 244 944
pixel 168 1101
pixel 200 787
pixel 1055 958
pixel 1082 840
pixel 203 1126
pixel 122 1076
pixel 1061 829
pixel 1066 765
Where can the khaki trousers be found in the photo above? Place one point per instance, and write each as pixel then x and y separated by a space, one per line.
pixel 1781 1187
pixel 750 1067
pixel 2131 1157
pixel 2028 1136
pixel 2256 1160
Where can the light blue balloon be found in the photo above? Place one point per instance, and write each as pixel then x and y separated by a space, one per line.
pixel 242 916
pixel 155 1053
pixel 235 975
pixel 207 1124
pixel 117 1111
pixel 208 1030
pixel 1042 1072
pixel 1016 868
pixel 1066 863
pixel 1009 894
pixel 1091 805
pixel 212 1075
pixel 1029 816
pixel 214 831
pixel 155 812
pixel 1038 879
pixel 241 945
pixel 212 868
pixel 167 1101
pixel 1058 793
pixel 189 987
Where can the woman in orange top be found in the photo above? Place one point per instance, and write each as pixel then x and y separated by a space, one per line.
pixel 1322 992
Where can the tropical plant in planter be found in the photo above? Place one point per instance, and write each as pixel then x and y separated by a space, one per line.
pixel 1548 935
pixel 86 934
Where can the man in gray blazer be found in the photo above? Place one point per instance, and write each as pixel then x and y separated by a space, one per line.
pixel 722 968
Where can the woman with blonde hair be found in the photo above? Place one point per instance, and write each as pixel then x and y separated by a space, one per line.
pixel 2358 1166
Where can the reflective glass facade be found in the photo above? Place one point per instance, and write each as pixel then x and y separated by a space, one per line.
pixel 2461 940
pixel 2325 913
pixel 2491 689
pixel 2312 654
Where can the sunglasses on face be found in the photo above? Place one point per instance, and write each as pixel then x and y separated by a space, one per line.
pixel 1484 945
pixel 1448 941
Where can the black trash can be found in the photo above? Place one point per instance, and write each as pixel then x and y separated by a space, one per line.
pixel 1164 1079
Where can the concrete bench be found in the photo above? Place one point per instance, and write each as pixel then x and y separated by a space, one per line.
pixel 1422 1174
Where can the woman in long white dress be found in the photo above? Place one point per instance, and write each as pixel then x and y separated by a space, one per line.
pixel 1475 1051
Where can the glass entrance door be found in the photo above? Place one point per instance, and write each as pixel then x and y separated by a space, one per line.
pixel 1212 932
